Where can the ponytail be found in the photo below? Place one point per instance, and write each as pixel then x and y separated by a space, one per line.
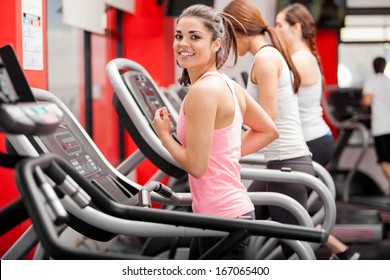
pixel 314 51
pixel 287 56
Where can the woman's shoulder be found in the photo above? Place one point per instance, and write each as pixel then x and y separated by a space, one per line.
pixel 210 82
pixel 207 88
pixel 268 50
pixel 268 53
pixel 205 94
pixel 267 60
pixel 305 57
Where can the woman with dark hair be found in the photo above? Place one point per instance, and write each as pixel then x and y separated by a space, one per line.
pixel 210 122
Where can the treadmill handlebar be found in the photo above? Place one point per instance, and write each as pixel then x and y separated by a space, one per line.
pixel 41 215
pixel 27 185
pixel 158 187
pixel 165 191
pixel 58 211
pixel 67 185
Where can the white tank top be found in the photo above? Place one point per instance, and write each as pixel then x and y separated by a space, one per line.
pixel 291 143
pixel 310 110
pixel 379 87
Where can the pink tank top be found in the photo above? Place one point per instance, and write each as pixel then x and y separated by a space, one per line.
pixel 220 191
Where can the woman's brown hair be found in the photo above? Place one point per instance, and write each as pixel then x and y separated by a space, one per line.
pixel 247 20
pixel 298 13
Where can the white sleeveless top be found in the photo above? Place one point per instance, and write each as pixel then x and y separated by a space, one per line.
pixel 310 110
pixel 291 143
pixel 379 87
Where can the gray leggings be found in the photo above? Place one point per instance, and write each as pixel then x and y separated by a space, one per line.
pixel 294 190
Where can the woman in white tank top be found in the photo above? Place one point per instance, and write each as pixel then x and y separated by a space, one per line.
pixel 274 82
pixel 297 26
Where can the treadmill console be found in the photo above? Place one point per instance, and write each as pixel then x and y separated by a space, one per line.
pixel 146 96
pixel 70 146
pixel 50 128
pixel 29 118
pixel 346 105
pixel 19 113
pixel 69 143
pixel 136 99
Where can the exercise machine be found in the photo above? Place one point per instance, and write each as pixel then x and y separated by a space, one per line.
pixel 354 184
pixel 101 203
pixel 137 97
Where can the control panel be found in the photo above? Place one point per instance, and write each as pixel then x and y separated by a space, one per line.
pixel 146 95
pixel 29 118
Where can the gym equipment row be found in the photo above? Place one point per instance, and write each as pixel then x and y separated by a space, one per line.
pixel 67 182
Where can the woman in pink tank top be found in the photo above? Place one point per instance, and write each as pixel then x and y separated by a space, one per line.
pixel 210 122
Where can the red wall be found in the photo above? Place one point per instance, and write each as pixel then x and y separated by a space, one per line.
pixel 327 42
pixel 147 39
pixel 11 33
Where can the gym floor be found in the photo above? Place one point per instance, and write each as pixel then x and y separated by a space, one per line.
pixel 377 250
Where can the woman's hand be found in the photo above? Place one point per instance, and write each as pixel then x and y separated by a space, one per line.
pixel 162 123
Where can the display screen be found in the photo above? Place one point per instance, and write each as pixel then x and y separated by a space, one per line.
pixel 80 161
pixel 13 83
pixel 7 93
pixel 68 143
pixel 146 96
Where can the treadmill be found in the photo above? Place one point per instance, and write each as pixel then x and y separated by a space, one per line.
pixel 354 185
pixel 136 97
pixel 101 203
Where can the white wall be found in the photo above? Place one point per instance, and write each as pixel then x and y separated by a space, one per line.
pixel 63 57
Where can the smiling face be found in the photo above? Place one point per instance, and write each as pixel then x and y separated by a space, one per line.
pixel 193 45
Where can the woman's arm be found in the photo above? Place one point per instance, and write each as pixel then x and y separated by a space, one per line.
pixel 200 107
pixel 262 130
